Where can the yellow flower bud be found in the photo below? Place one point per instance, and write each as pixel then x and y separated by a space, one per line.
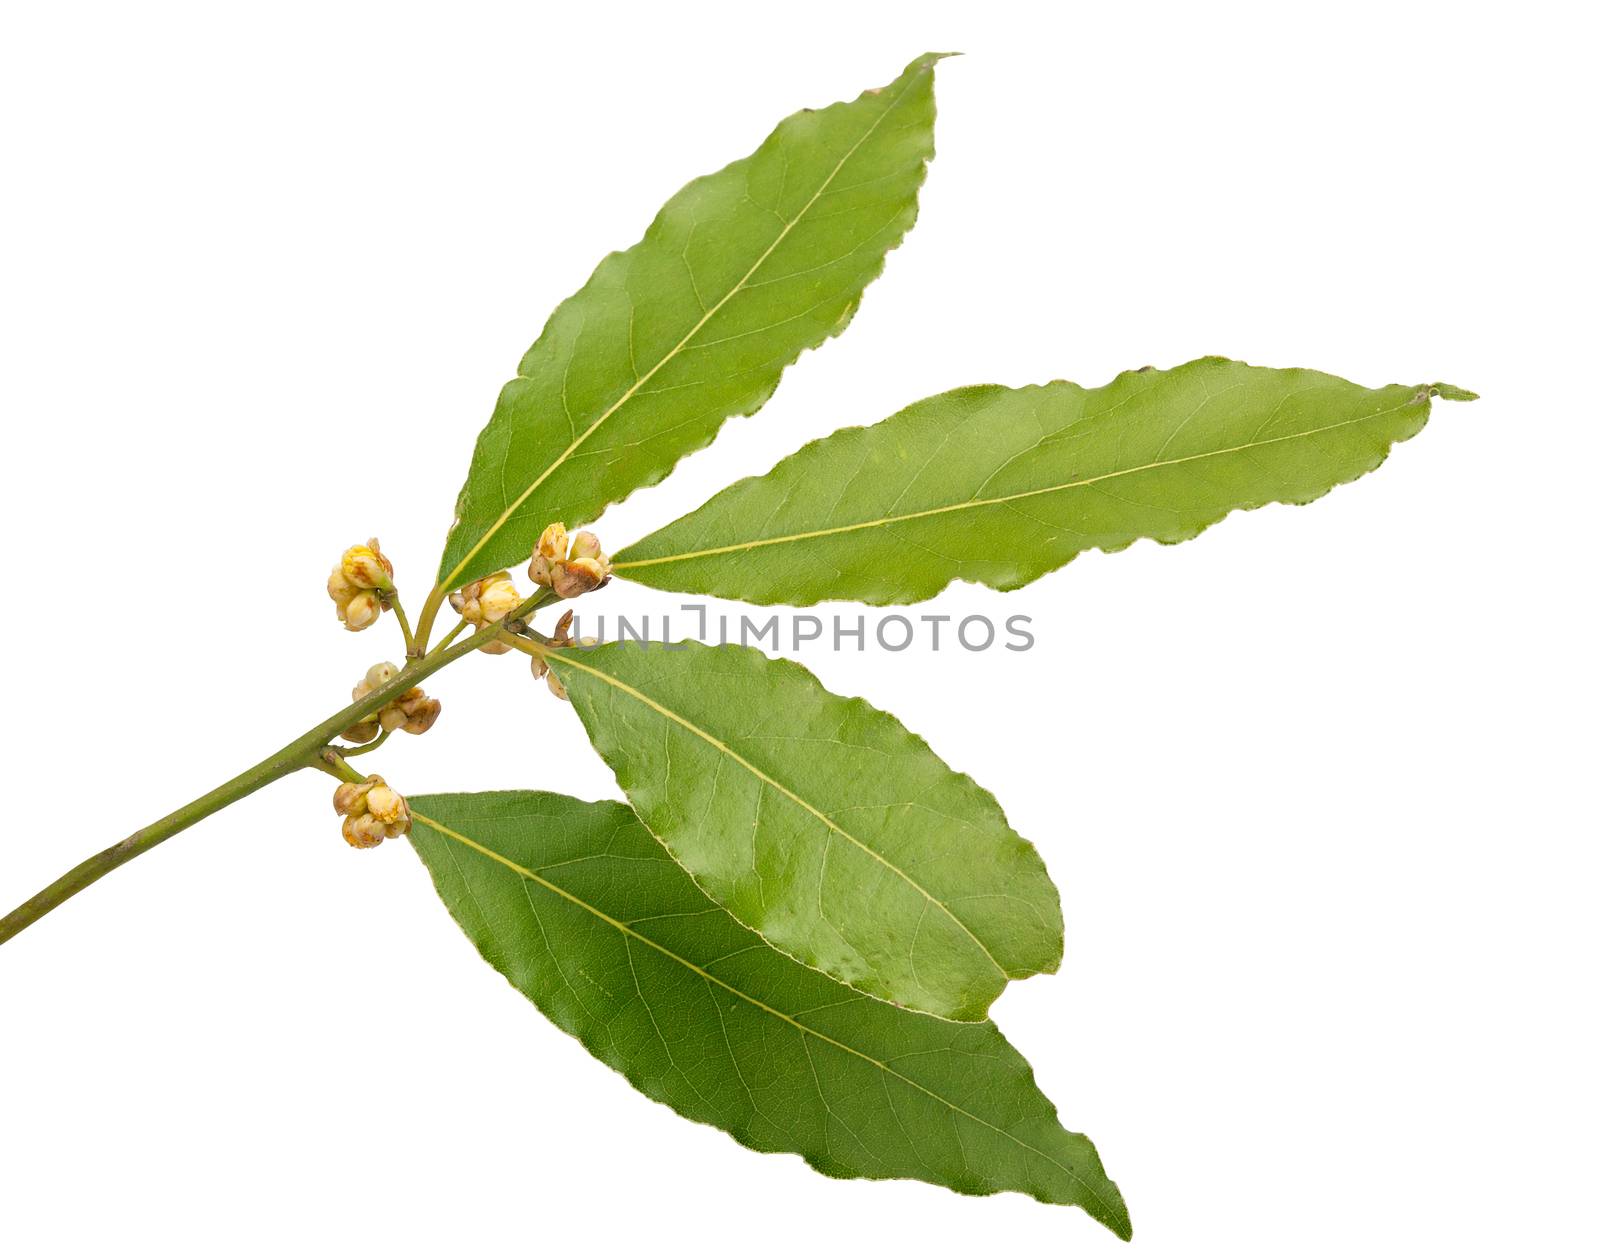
pixel 539 571
pixel 371 811
pixel 585 546
pixel 367 567
pixel 364 831
pixel 362 611
pixel 357 608
pixel 388 807
pixel 553 542
pixel 488 600
pixel 499 598
pixel 340 589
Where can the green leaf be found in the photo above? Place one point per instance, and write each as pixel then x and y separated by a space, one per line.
pixel 820 822
pixel 1000 485
pixel 740 272
pixel 585 915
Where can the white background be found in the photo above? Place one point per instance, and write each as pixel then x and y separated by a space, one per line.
pixel 1317 787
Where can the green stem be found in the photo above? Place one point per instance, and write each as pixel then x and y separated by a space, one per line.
pixel 301 753
pixel 449 637
pixel 141 840
pixel 405 625
pixel 333 763
pixel 369 746
pixel 537 650
pixel 430 611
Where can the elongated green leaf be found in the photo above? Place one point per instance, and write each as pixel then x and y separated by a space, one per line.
pixel 999 485
pixel 820 822
pixel 585 915
pixel 740 272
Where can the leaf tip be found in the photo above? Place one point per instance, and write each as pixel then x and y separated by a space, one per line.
pixel 1451 393
pixel 930 59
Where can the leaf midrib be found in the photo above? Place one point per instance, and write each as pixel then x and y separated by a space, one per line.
pixel 641 380
pixel 563 659
pixel 975 503
pixel 1112 1209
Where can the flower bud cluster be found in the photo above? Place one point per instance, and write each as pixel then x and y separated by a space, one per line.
pixel 371 811
pixel 360 585
pixel 413 711
pixel 488 601
pixel 570 570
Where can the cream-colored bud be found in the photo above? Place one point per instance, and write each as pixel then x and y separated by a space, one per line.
pixel 488 600
pixel 539 666
pixel 391 718
pixel 364 831
pixel 388 806
pixel 576 577
pixel 380 674
pixel 340 587
pixel 362 611
pixel 367 567
pixel 350 799
pixel 371 811
pixel 586 546
pixel 556 688
pixel 356 608
pixel 553 542
pixel 496 648
pixel 499 598
pixel 539 571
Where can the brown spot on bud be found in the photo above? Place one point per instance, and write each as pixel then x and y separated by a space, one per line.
pixel 576 577
pixel 552 542
pixel 365 731
pixel 366 567
pixel 371 811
